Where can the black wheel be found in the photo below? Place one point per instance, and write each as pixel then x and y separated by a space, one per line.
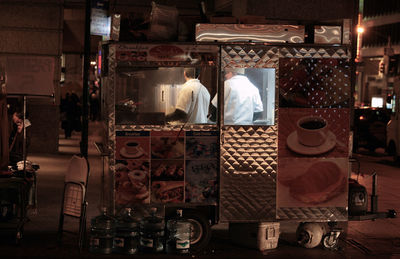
pixel 200 230
pixel 309 234
pixel 330 242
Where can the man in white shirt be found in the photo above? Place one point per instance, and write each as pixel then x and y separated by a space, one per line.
pixel 242 101
pixel 193 100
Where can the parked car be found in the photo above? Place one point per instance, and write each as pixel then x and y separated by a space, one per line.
pixel 370 128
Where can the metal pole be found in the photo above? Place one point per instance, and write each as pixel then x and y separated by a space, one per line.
pixel 24 135
pixel 374 197
pixel 86 64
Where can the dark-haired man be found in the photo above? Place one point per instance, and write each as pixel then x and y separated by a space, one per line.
pixel 193 100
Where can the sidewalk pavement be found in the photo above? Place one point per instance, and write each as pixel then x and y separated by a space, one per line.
pixel 40 232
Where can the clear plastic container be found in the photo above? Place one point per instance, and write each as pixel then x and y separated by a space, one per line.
pixel 178 234
pixel 152 233
pixel 102 232
pixel 126 234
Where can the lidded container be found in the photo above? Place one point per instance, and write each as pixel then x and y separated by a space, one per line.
pixel 102 232
pixel 152 233
pixel 179 231
pixel 126 233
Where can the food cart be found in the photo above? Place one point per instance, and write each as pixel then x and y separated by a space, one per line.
pixel 292 163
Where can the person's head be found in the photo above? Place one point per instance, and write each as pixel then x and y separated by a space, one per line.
pixel 230 72
pixel 17 117
pixel 189 73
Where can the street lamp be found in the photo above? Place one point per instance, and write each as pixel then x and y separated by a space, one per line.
pixel 360 31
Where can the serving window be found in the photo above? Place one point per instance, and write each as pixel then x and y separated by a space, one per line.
pixel 249 96
pixel 146 95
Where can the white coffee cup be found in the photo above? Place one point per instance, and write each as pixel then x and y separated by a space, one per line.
pixel 312 131
pixel 132 147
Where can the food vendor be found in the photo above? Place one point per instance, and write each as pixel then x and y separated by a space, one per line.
pixel 193 100
pixel 242 101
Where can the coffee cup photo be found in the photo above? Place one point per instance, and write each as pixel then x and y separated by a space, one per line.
pixel 309 132
pixel 131 149
pixel 312 131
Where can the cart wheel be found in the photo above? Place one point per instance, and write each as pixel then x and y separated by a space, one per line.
pixel 309 235
pixel 200 230
pixel 330 241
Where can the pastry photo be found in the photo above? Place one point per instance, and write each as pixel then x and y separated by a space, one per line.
pixel 312 182
pixel 132 183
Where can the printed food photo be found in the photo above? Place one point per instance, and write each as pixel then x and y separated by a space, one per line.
pixel 312 182
pixel 132 147
pixel 167 147
pixel 313 132
pixel 132 183
pixel 167 191
pixel 167 170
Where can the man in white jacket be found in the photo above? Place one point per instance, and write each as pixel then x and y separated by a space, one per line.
pixel 193 100
pixel 242 101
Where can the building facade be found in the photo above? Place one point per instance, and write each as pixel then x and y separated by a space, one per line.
pixel 378 65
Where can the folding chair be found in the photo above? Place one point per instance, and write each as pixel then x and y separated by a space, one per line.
pixel 74 197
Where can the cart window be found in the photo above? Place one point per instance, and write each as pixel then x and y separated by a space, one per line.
pixel 160 95
pixel 249 96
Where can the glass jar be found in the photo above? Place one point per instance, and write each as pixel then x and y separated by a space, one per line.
pixel 152 233
pixel 126 234
pixel 178 234
pixel 102 232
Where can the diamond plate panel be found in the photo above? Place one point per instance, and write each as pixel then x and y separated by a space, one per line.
pixel 249 56
pixel 313 214
pixel 315 83
pixel 249 154
pixel 248 173
pixel 190 127
pixel 314 52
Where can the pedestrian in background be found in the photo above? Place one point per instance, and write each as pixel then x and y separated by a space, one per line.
pixel 94 104
pixel 4 145
pixel 16 140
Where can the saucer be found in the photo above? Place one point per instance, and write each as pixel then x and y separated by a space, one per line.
pixel 125 154
pixel 295 145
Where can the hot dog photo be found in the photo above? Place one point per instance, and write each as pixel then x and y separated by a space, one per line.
pixel 167 191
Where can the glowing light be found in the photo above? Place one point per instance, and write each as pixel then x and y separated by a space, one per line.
pixel 377 102
pixel 360 29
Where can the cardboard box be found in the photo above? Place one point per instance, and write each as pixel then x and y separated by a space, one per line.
pixel 261 236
